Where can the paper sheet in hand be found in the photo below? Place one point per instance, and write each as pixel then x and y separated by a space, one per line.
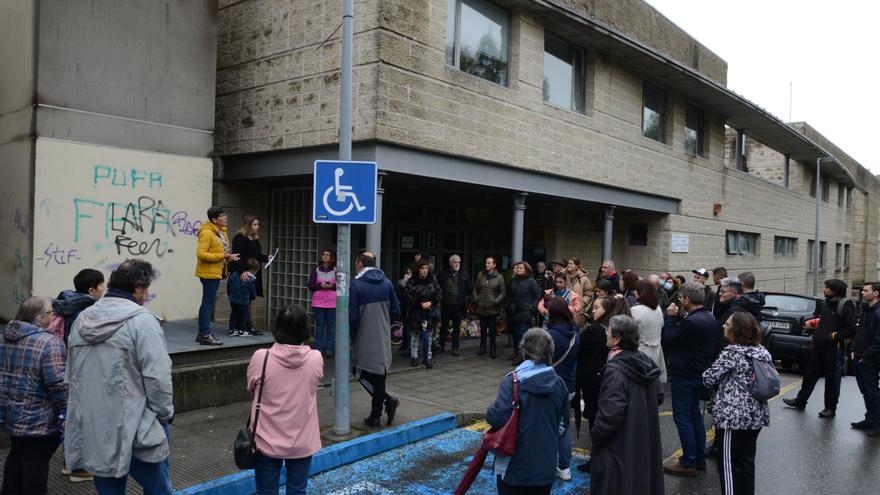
pixel 274 257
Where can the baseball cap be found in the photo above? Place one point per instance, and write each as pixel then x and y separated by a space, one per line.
pixel 701 272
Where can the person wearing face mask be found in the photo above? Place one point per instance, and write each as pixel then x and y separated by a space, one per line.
pixel 662 295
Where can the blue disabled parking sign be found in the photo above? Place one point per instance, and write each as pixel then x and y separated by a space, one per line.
pixel 344 192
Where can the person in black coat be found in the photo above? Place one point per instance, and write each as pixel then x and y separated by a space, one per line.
pixel 522 303
pixel 423 295
pixel 627 453
pixel 834 328
pixel 689 345
pixel 457 286
pixel 247 244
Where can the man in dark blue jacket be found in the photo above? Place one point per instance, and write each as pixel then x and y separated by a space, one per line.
pixel 690 346
pixel 371 306
pixel 866 358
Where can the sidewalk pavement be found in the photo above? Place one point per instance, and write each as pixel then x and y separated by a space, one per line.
pixel 201 446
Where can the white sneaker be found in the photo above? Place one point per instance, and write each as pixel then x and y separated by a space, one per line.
pixel 65 471
pixel 234 333
pixel 564 474
pixel 245 333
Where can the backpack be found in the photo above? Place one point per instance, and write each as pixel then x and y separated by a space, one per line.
pixel 765 380
pixel 841 305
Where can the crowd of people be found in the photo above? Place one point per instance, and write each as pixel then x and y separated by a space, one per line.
pixel 598 350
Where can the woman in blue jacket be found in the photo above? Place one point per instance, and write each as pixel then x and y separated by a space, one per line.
pixel 543 399
pixel 566 343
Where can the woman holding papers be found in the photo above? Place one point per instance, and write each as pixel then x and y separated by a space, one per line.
pixel 247 244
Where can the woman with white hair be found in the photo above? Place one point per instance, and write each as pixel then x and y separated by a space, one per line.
pixel 543 403
pixel 33 396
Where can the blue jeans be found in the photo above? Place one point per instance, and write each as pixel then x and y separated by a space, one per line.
pixel 564 448
pixel 325 328
pixel 209 295
pixel 268 473
pixel 689 420
pixel 154 477
pixel 868 379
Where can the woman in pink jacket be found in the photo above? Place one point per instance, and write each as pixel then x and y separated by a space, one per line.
pixel 287 431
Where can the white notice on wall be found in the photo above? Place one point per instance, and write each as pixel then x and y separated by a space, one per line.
pixel 680 243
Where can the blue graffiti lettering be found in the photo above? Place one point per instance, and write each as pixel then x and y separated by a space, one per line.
pixel 124 178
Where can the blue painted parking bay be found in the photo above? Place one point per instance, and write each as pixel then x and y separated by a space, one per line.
pixel 431 466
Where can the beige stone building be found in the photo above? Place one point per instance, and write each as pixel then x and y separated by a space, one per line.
pixel 595 117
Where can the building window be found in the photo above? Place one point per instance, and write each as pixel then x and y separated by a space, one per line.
pixel 563 74
pixel 784 246
pixel 813 185
pixel 822 255
pixel 811 251
pixel 826 189
pixel 849 198
pixel 841 195
pixel 846 256
pixel 838 256
pixel 477 35
pixel 742 243
pixel 638 234
pixel 654 113
pixel 693 131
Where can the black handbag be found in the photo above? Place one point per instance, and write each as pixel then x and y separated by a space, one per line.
pixel 245 445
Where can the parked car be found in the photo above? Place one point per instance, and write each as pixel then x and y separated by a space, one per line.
pixel 790 320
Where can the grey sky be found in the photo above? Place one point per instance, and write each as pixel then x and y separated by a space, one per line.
pixel 828 51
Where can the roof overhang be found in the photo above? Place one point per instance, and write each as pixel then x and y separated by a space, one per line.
pixel 664 71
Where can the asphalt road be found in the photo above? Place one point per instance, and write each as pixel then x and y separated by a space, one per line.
pixel 800 453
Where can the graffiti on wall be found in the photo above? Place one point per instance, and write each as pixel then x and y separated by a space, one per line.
pixel 117 204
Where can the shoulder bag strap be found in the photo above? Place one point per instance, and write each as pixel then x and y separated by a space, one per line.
pixel 562 358
pixel 515 390
pixel 260 394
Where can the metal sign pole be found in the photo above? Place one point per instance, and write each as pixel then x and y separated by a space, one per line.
pixel 342 361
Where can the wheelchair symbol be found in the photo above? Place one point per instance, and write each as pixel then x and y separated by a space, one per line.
pixel 341 192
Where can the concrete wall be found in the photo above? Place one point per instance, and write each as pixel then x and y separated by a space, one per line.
pixel 16 225
pixel 97 206
pixel 142 67
pixel 643 22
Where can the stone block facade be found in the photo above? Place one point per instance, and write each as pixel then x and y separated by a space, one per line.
pixel 278 88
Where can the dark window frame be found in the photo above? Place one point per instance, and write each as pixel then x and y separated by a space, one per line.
pixel 700 130
pixel 739 235
pixel 785 246
pixel 662 111
pixel 578 91
pixel 456 45
pixel 636 231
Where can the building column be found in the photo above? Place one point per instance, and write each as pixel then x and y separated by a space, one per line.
pixel 519 216
pixel 374 231
pixel 607 233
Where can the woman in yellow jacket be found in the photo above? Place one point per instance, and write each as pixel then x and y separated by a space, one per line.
pixel 212 253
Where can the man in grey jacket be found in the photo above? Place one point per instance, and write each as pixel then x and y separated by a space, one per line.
pixel 120 402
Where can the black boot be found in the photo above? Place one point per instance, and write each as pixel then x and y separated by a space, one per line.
pixel 391 408
pixel 492 349
pixel 374 419
pixel 482 345
pixel 413 362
